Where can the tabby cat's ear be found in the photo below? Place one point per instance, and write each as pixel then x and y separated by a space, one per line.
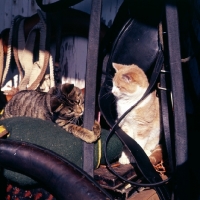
pixel 83 91
pixel 55 104
pixel 117 66
pixel 67 88
pixel 52 90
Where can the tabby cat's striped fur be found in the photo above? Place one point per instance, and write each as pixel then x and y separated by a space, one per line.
pixel 63 105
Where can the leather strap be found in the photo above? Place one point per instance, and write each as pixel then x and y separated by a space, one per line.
pixel 90 85
pixel 16 39
pixel 9 51
pixel 166 112
pixel 25 54
pixel 1 59
pixel 141 158
pixel 58 23
pixel 43 54
pixel 180 127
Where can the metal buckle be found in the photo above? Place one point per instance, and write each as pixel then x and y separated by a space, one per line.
pixel 164 71
pixel 161 88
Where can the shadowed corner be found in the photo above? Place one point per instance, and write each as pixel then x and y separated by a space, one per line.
pixel 2 184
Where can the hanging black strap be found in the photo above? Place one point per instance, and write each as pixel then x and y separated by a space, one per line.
pixel 90 87
pixel 141 158
pixel 58 24
pixel 167 116
pixel 180 127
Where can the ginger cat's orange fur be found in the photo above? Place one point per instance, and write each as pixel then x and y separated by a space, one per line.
pixel 143 122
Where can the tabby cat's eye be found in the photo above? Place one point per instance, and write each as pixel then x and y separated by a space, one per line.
pixel 70 110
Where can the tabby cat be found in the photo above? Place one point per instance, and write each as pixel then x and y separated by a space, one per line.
pixel 143 122
pixel 63 105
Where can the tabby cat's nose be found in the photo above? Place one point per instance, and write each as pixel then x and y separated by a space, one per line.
pixel 80 111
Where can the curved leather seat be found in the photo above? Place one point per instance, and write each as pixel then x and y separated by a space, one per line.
pixel 62 178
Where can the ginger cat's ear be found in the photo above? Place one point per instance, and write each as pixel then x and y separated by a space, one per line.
pixel 117 66
pixel 127 78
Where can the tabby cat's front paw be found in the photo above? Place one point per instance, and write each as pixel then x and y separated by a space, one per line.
pixel 92 136
pixel 97 129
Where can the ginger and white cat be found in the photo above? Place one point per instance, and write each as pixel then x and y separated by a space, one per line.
pixel 143 122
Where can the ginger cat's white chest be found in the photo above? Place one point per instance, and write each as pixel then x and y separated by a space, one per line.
pixel 129 123
pixel 124 103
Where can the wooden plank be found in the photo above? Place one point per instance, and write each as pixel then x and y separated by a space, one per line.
pixel 32 7
pixel 15 8
pixel 2 6
pixel 84 6
pixel 7 14
pixel 149 194
pixel 74 49
pixel 73 60
pixel 109 11
pixel 23 5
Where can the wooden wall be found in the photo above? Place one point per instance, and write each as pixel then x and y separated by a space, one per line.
pixel 73 49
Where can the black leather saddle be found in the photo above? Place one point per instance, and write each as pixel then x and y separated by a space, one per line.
pixel 134 39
